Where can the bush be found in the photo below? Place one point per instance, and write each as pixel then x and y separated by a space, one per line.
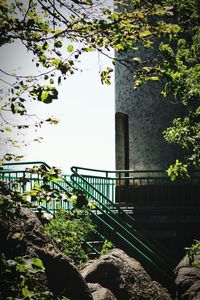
pixel 21 278
pixel 69 230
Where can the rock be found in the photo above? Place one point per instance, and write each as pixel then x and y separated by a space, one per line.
pixel 21 233
pixel 100 293
pixel 124 277
pixel 188 279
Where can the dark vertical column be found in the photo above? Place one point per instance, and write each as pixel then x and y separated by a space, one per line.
pixel 122 141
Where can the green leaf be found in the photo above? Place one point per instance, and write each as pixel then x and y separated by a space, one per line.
pixel 119 47
pixel 115 16
pixel 38 263
pixel 25 291
pixel 89 49
pixel 44 96
pixel 18 108
pixel 58 44
pixel 154 78
pixel 37 186
pixel 160 11
pixel 107 82
pixel 8 129
pixel 70 48
pixel 175 28
pixel 145 33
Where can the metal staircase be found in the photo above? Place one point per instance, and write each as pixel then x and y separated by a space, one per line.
pixel 119 227
pixel 111 215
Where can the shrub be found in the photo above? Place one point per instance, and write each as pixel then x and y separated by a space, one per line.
pixel 69 230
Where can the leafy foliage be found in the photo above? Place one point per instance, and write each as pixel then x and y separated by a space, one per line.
pixel 191 253
pixel 107 246
pixel 44 189
pixel 58 33
pixel 19 278
pixel 69 230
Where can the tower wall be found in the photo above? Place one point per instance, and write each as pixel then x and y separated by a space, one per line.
pixel 148 114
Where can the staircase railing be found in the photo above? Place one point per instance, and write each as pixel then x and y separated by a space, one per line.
pixel 116 185
pixel 118 227
pixel 18 177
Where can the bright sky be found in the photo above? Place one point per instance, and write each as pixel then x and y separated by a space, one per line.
pixel 85 135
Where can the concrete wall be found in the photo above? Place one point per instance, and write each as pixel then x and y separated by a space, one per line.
pixel 148 115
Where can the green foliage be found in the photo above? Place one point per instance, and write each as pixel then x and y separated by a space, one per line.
pixel 45 94
pixel 19 278
pixel 53 174
pixel 69 230
pixel 43 27
pixel 105 76
pixel 191 253
pixel 178 170
pixel 107 246
pixel 170 28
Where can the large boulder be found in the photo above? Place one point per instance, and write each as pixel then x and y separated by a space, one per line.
pixel 22 234
pixel 100 293
pixel 188 278
pixel 124 277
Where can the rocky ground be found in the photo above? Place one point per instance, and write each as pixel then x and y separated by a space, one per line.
pixel 124 277
pixel 188 279
pixel 114 276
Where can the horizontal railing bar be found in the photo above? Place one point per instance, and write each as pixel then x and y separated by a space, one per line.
pixel 125 171
pixel 117 171
pixel 25 163
pixel 122 178
pixel 149 174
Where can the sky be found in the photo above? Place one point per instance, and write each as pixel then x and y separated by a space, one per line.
pixel 85 108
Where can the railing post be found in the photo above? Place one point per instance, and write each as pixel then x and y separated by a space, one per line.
pixel 24 182
pixel 126 186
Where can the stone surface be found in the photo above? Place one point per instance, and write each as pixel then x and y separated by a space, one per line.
pixel 100 293
pixel 188 279
pixel 21 233
pixel 148 115
pixel 124 277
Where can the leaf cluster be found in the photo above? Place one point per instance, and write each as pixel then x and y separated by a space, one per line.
pixel 58 33
pixel 191 253
pixel 19 278
pixel 69 230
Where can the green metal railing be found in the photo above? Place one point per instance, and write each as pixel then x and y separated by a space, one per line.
pixel 118 227
pixel 116 185
pixel 18 177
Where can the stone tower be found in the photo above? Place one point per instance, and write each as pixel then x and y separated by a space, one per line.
pixel 141 117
